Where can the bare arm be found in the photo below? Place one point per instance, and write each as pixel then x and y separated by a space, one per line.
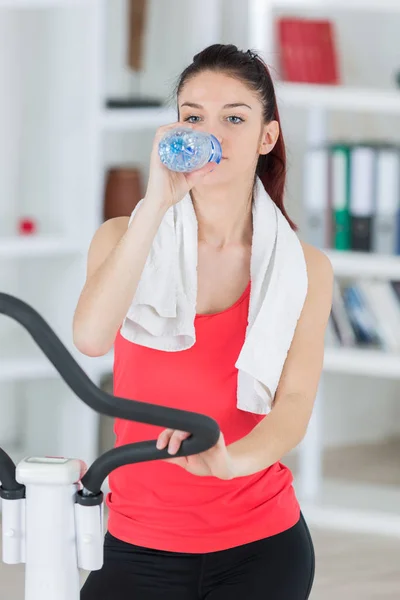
pixel 116 259
pixel 118 254
pixel 285 426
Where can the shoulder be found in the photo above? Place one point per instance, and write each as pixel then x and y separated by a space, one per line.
pixel 318 263
pixel 113 227
pixel 104 241
pixel 110 231
pixel 320 275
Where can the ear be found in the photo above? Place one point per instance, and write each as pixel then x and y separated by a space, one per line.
pixel 269 136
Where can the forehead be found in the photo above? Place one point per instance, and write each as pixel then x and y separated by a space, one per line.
pixel 209 88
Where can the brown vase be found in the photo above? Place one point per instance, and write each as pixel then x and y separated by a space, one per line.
pixel 137 28
pixel 123 191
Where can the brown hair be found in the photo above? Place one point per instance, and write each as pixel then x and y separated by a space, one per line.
pixel 252 70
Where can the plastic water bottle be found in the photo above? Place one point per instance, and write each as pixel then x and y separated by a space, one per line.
pixel 185 150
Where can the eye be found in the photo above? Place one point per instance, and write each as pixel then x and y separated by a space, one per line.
pixel 192 117
pixel 236 122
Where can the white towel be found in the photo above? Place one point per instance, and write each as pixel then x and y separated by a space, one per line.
pixel 163 310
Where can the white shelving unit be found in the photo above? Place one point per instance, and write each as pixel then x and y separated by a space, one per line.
pixel 69 251
pixel 56 180
pixel 323 504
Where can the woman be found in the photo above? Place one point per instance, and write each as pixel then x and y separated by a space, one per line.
pixel 225 523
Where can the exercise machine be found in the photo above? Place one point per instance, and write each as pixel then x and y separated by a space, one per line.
pixel 52 507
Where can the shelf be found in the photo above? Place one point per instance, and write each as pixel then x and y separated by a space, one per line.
pixel 26 369
pixel 30 369
pixel 33 4
pixel 36 246
pixel 304 95
pixel 367 362
pixel 363 264
pixel 126 119
pixel 355 507
pixel 345 98
pixel 362 5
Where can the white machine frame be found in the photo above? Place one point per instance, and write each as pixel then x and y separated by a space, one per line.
pixel 53 511
pixel 49 531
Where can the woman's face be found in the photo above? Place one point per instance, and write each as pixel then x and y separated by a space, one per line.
pixel 224 106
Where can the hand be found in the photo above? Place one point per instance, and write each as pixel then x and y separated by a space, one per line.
pixel 215 462
pixel 166 187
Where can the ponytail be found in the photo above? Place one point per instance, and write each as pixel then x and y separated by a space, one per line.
pixel 253 72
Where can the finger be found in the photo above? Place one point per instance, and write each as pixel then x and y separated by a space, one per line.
pixel 176 441
pixel 195 176
pixel 164 438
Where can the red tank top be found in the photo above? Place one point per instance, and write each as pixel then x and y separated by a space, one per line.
pixel 160 505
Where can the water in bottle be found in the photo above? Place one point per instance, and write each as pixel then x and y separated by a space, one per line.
pixel 185 150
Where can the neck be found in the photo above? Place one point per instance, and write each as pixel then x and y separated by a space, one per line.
pixel 224 214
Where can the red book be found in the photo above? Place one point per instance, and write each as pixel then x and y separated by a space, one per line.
pixel 292 49
pixel 327 70
pixel 307 51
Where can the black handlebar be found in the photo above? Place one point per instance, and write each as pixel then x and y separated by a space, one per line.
pixel 204 430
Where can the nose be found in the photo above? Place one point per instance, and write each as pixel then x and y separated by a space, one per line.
pixel 215 130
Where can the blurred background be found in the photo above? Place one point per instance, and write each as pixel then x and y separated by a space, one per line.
pixel 83 86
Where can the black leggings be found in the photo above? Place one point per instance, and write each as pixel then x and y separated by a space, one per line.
pixel 280 567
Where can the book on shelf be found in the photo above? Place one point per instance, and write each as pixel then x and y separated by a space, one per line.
pixel 352 197
pixel 365 314
pixel 307 50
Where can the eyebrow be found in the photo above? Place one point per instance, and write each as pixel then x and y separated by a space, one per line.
pixel 233 105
